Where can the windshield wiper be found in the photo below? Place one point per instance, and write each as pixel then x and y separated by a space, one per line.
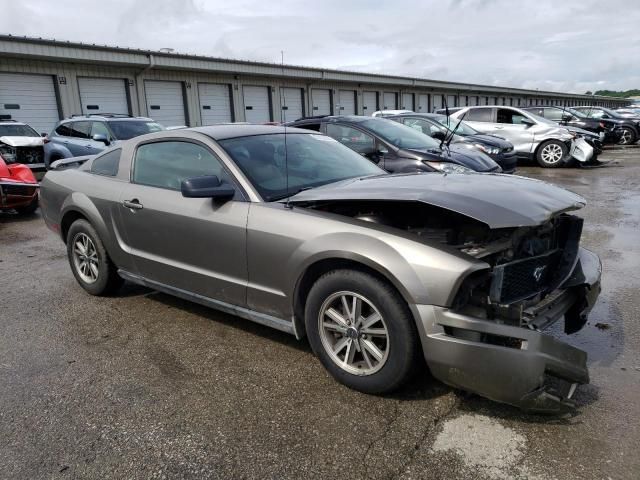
pixel 288 194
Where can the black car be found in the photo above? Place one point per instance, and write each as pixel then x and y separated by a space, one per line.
pixel 630 126
pixel 398 148
pixel 608 130
pixel 440 127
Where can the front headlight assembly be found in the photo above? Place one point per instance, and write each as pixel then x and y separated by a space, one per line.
pixel 447 167
pixel 8 153
pixel 487 150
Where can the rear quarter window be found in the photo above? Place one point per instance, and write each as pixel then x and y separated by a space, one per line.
pixel 107 163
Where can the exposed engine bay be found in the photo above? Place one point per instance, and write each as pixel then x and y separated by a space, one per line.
pixel 527 263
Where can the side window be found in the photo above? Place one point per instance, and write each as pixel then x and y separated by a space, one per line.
pixel 64 130
pixel 422 126
pixel 99 128
pixel 553 114
pixel 79 129
pixel 479 115
pixel 351 137
pixel 506 115
pixel 310 126
pixel 538 111
pixel 166 164
pixel 107 164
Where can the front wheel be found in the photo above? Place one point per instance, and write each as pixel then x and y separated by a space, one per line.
pixel 628 136
pixel 551 153
pixel 362 331
pixel 89 261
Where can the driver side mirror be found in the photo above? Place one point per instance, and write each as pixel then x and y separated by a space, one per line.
pixel 208 186
pixel 372 153
pixel 438 135
pixel 567 118
pixel 99 137
pixel 527 122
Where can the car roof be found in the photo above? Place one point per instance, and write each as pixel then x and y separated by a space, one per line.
pixel 11 122
pixel 334 118
pixel 429 116
pixel 225 131
pixel 107 117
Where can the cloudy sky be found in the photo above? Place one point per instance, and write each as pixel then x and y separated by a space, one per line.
pixel 568 45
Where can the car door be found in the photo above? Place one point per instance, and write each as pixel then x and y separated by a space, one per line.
pixel 509 126
pixel 362 142
pixel 78 138
pixel 196 245
pixel 480 118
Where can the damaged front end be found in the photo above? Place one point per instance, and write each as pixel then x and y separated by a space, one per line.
pixel 491 341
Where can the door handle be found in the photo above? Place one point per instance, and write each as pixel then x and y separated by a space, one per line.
pixel 132 204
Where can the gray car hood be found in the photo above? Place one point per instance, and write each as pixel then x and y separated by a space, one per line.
pixel 500 201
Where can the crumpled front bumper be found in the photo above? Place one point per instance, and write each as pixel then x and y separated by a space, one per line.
pixel 525 367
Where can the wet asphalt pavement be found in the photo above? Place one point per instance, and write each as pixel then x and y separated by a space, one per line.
pixel 143 385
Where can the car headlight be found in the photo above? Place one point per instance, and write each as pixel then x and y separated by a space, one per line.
pixel 487 150
pixel 8 153
pixel 447 167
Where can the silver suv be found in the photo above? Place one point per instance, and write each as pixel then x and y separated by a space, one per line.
pixel 533 137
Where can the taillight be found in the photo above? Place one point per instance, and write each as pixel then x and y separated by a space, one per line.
pixel 602 125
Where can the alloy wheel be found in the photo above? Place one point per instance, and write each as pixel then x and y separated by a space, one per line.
pixel 551 153
pixel 626 137
pixel 353 333
pixel 85 258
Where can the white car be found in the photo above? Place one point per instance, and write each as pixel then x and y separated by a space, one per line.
pixel 533 137
pixel 382 113
pixel 19 143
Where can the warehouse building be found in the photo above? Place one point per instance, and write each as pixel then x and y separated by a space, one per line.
pixel 43 81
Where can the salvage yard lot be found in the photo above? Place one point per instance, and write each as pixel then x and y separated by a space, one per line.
pixel 143 385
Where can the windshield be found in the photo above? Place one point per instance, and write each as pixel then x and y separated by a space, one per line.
pixel 279 168
pixel 126 129
pixel 399 135
pixel 17 131
pixel 464 129
pixel 540 119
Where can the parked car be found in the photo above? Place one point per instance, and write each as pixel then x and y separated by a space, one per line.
pixel 630 126
pixel 533 137
pixel 90 134
pixel 608 131
pixel 440 127
pixel 628 112
pixel 375 269
pixel 18 188
pixel 19 143
pixel 386 113
pixel 397 148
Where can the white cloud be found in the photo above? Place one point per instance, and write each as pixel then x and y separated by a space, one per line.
pixel 571 46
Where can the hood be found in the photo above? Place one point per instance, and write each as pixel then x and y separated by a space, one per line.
pixel 580 131
pixel 460 153
pixel 500 201
pixel 490 140
pixel 22 141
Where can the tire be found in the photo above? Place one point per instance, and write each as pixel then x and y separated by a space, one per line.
pixel 394 336
pixel 28 209
pixel 629 137
pixel 550 154
pixel 101 280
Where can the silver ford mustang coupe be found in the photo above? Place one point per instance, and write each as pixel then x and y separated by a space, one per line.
pixel 293 230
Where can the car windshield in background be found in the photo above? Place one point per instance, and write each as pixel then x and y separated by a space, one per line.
pixel 279 168
pixel 575 113
pixel 399 135
pixel 17 131
pixel 539 119
pixel 463 129
pixel 126 129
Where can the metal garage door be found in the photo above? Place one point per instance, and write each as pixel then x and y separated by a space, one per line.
pixel 369 102
pixel 215 103
pixel 390 101
pixel 30 99
pixel 165 102
pixel 321 101
pixel 407 101
pixel 103 95
pixel 347 102
pixel 291 102
pixel 451 101
pixel 473 100
pixel 437 102
pixel 423 103
pixel 257 105
pixel 462 101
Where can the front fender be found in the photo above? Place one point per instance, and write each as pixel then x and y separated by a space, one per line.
pixel 55 150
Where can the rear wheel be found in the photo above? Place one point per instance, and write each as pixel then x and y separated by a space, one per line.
pixel 28 209
pixel 362 331
pixel 551 153
pixel 628 136
pixel 89 261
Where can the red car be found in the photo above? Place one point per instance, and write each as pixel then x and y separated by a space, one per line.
pixel 18 188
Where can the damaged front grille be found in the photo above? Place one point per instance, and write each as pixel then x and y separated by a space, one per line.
pixel 30 155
